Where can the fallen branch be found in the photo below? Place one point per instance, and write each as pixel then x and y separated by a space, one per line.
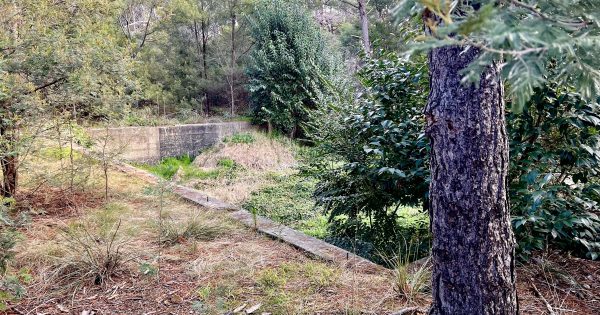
pixel 548 306
pixel 409 310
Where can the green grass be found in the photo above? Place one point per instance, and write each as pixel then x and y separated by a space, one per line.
pixel 168 167
pixel 240 138
pixel 288 200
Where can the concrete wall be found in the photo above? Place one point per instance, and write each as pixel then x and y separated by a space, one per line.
pixel 151 144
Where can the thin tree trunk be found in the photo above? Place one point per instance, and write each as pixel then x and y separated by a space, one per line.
pixel 364 25
pixel 9 162
pixel 473 244
pixel 231 70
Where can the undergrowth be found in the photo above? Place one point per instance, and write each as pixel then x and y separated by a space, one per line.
pixel 183 168
pixel 198 228
pixel 288 200
pixel 90 255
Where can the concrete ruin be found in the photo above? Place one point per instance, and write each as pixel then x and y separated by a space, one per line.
pixel 152 144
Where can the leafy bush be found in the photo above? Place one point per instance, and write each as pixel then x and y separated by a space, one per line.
pixel 288 62
pixel 375 156
pixel 555 162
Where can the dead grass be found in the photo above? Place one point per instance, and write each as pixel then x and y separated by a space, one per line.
pixel 196 228
pixel 55 201
pixel 89 256
pixel 219 273
pixel 264 154
pixel 554 283
pixel 218 266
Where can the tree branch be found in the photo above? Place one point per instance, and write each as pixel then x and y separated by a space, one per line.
pixel 146 33
pixel 47 85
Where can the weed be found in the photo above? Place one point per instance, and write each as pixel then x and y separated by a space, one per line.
pixel 410 281
pixel 148 269
pixel 288 200
pixel 167 168
pixel 226 163
pixel 12 287
pixel 90 256
pixel 272 279
pixel 319 275
pixel 240 138
pixel 197 228
pixel 8 234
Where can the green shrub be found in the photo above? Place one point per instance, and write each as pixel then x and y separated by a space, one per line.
pixel 371 157
pixel 376 158
pixel 555 162
pixel 288 201
pixel 288 64
pixel 240 138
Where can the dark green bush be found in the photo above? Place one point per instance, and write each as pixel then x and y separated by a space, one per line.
pixel 288 64
pixel 376 158
pixel 373 158
pixel 555 163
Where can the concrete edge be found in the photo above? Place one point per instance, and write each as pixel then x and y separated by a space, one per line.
pixel 308 244
pixel 178 125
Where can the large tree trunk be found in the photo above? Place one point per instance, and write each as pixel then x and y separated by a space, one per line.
pixel 364 25
pixel 473 244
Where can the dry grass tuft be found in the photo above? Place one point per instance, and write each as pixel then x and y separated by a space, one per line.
pixel 89 256
pixel 197 228
pixel 262 153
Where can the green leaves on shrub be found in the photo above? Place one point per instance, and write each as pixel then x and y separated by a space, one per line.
pixel 377 158
pixel 554 187
pixel 287 67
pixel 380 153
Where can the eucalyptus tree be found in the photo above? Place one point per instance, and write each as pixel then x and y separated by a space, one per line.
pixel 56 57
pixel 474 46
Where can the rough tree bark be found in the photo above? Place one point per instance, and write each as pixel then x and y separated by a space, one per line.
pixel 364 25
pixel 473 244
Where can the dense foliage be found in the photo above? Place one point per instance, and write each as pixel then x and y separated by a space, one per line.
pixel 373 154
pixel 289 62
pixel 555 163
pixel 528 36
pixel 376 160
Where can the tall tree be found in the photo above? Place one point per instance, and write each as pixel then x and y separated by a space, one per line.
pixel 472 45
pixel 233 6
pixel 473 246
pixel 54 57
pixel 361 7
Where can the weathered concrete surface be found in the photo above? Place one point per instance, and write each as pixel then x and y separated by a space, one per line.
pixel 151 144
pixel 308 244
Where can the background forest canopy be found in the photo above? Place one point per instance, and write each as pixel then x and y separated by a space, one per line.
pixel 308 69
